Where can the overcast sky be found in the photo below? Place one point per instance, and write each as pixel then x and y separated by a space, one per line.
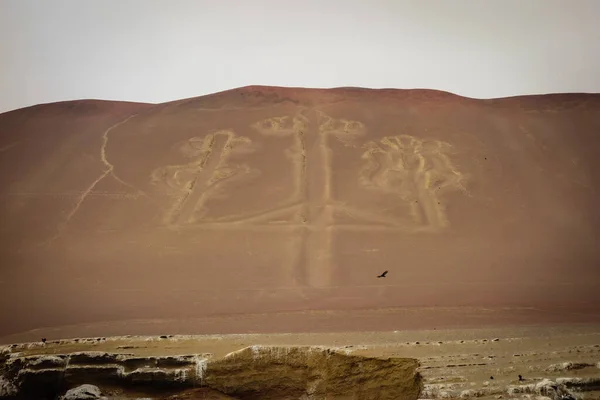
pixel 156 51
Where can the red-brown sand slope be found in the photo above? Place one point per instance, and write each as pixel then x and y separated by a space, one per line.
pixel 268 199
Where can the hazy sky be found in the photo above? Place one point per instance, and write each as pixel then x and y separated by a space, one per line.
pixel 156 51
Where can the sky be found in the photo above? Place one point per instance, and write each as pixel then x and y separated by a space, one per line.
pixel 156 51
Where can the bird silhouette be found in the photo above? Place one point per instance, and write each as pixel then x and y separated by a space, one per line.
pixel 382 275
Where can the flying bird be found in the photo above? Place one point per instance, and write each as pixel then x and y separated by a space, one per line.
pixel 382 275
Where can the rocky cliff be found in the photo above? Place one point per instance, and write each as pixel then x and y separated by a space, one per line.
pixel 255 372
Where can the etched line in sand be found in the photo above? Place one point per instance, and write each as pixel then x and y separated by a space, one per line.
pixel 365 215
pixel 314 257
pixel 88 191
pixel 9 146
pixel 418 172
pixel 298 226
pixel 110 167
pixel 79 203
pixel 263 217
pixel 63 195
pixel 195 182
pixel 296 127
pixel 314 254
pixel 295 207
pixel 198 186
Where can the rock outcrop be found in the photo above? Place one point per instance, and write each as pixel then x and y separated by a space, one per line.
pixel 546 388
pixel 251 373
pixel 312 373
pixel 83 392
pixel 7 389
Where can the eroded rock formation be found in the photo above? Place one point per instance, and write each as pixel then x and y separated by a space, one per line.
pixel 255 372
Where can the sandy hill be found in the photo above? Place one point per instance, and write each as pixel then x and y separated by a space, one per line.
pixel 272 201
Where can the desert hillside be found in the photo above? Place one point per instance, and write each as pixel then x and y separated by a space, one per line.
pixel 281 201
